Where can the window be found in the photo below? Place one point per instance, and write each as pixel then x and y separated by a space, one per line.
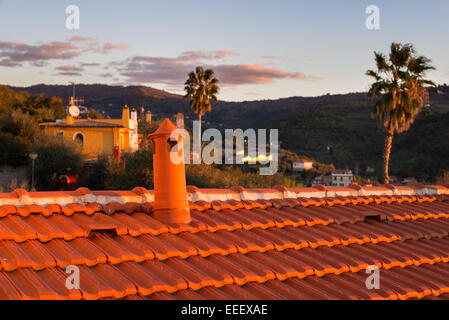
pixel 79 138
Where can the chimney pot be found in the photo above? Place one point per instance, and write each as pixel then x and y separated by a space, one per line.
pixel 170 192
pixel 148 116
pixel 125 114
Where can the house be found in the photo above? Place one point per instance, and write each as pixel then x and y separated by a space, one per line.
pixel 409 180
pixel 98 136
pixel 370 169
pixel 182 242
pixel 342 177
pixel 302 165
pixel 325 180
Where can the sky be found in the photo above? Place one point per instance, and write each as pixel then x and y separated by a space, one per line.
pixel 259 49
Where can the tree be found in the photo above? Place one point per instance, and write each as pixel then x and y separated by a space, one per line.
pixel 399 80
pixel 94 114
pixel 55 157
pixel 201 87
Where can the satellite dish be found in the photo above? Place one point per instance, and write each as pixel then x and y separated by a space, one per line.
pixel 74 111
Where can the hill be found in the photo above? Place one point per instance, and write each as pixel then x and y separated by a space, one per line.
pixel 349 138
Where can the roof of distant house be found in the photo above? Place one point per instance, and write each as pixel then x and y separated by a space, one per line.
pixel 279 243
pixel 342 171
pixel 82 124
pixel 304 161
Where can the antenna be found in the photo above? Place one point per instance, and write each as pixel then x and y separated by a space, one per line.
pixel 75 101
pixel 73 90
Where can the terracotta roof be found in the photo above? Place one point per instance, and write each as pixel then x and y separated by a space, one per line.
pixel 280 243
pixel 82 124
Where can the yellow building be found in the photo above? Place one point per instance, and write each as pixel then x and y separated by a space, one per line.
pixel 98 136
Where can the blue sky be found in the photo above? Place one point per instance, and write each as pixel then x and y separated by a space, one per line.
pixel 259 49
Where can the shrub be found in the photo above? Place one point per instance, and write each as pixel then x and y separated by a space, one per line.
pixel 134 170
pixel 55 157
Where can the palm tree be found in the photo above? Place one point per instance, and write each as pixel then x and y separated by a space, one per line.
pixel 399 80
pixel 201 87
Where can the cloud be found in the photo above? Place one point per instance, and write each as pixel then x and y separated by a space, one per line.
pixel 20 52
pixel 15 53
pixel 69 68
pixel 106 75
pixel 252 74
pixel 173 71
pixel 205 55
pixel 81 39
pixel 90 64
pixel 69 73
pixel 9 63
pixel 111 46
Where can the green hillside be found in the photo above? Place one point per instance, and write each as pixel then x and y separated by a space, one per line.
pixel 354 140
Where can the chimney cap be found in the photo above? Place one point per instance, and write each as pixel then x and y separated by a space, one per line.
pixel 166 129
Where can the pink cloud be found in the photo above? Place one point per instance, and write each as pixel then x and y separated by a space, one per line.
pixel 69 68
pixel 251 74
pixel 205 55
pixel 70 73
pixel 14 53
pixel 9 63
pixel 81 39
pixel 111 46
pixel 18 52
pixel 173 71
pixel 90 64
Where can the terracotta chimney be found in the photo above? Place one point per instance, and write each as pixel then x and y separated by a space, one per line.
pixel 170 193
pixel 125 115
pixel 148 116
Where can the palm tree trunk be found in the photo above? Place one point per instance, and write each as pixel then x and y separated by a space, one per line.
pixel 199 126
pixel 386 156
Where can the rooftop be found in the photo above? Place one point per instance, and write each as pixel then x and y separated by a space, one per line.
pixel 82 124
pixel 342 171
pixel 280 243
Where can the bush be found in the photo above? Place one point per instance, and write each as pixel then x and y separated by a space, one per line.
pixel 55 157
pixel 21 125
pixel 207 176
pixel 134 170
pixel 13 150
pixel 444 178
pixel 94 114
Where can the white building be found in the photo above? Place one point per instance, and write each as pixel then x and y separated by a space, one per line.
pixel 302 165
pixel 342 177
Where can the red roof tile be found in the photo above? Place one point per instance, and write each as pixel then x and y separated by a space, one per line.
pixel 280 243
